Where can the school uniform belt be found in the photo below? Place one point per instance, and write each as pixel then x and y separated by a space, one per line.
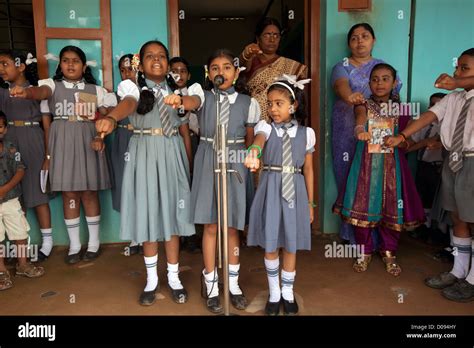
pixel 72 118
pixel 125 126
pixel 153 131
pixel 23 123
pixel 468 153
pixel 229 141
pixel 283 169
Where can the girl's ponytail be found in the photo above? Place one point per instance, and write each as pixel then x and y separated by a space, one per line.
pixel 147 97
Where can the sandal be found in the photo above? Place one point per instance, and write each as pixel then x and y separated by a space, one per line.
pixel 391 266
pixel 361 264
pixel 5 281
pixel 29 271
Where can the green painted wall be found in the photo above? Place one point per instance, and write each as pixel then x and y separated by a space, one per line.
pixel 443 30
pixel 133 23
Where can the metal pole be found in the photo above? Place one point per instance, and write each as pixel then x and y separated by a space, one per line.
pixel 225 245
pixel 218 178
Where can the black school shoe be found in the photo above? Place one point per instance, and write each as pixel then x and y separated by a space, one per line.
pixel 462 291
pixel 272 308
pixel 290 308
pixel 213 304
pixel 42 256
pixel 238 301
pixel 147 298
pixel 73 258
pixel 90 255
pixel 179 295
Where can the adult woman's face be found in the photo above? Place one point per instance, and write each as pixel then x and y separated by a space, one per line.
pixel 269 40
pixel 361 43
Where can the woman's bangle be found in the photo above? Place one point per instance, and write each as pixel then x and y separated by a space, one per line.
pixel 403 136
pixel 113 120
pixel 312 204
pixel 255 147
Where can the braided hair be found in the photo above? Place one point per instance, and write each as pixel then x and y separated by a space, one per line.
pixel 147 98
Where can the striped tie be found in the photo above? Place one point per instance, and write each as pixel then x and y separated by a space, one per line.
pixel 287 187
pixel 225 109
pixel 455 155
pixel 164 115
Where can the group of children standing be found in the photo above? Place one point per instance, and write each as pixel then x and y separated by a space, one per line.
pixel 151 158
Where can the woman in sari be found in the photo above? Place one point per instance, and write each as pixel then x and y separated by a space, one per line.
pixel 263 64
pixel 350 82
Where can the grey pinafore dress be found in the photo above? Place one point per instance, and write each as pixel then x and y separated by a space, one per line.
pixel 273 222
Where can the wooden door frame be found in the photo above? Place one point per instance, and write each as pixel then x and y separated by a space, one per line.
pixel 312 60
pixel 104 34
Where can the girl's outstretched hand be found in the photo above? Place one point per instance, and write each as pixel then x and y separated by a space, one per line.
pixel 363 136
pixel 104 126
pixel 173 100
pixel 252 162
pixel 98 143
pixel 18 92
pixel 356 98
pixel 444 81
pixel 393 141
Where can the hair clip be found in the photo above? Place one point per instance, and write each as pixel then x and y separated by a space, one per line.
pixel 135 62
pixel 51 56
pixel 30 59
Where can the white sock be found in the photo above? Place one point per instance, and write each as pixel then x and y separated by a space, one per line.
pixel 133 243
pixel 47 244
pixel 73 232
pixel 428 218
pixel 287 281
pixel 234 279
pixel 173 277
pixel 470 276
pixel 151 272
pixel 212 284
pixel 462 255
pixel 273 270
pixel 93 223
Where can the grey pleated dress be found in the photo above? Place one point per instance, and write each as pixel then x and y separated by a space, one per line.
pixel 156 195
pixel 204 189
pixel 273 223
pixel 30 143
pixel 74 165
pixel 118 153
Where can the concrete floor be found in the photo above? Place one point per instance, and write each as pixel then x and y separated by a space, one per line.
pixel 324 286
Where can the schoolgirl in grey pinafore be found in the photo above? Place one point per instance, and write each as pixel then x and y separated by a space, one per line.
pixel 30 142
pixel 155 191
pixel 74 165
pixel 273 223
pixel 204 188
pixel 118 152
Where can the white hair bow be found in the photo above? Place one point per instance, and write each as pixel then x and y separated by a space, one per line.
pixel 51 56
pixel 92 63
pixel 30 59
pixel 291 79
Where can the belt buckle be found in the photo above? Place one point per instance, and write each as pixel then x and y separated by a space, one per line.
pixel 72 118
pixel 157 131
pixel 19 123
pixel 129 127
pixel 288 169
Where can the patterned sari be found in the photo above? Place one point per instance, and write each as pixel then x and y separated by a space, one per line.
pixel 380 189
pixel 261 75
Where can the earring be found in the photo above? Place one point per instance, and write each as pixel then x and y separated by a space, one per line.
pixel 235 80
pixel 292 109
